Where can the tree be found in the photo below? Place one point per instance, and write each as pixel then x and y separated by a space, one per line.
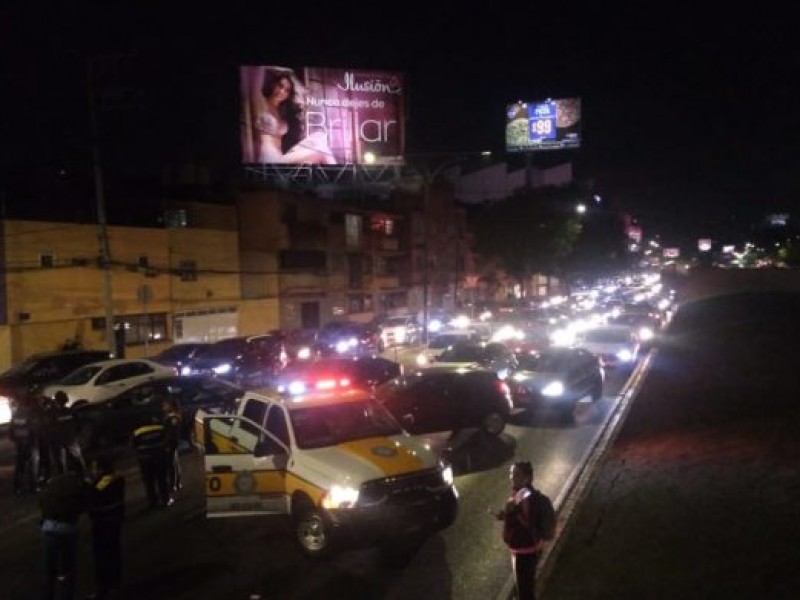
pixel 601 249
pixel 533 231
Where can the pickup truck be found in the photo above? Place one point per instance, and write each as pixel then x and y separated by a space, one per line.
pixel 335 462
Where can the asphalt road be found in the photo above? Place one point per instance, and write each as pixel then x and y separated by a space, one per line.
pixel 178 553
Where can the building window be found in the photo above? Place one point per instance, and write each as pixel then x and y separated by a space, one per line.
pixel 382 224
pixel 47 261
pixel 389 266
pixel 359 304
pixel 151 327
pixel 188 270
pixel 352 230
pixel 394 300
pixel 299 260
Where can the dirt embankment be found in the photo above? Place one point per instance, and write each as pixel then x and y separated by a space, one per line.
pixel 700 495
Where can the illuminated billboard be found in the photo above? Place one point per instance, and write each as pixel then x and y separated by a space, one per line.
pixel 321 116
pixel 546 125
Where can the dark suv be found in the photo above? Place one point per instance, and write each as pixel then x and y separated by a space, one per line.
pixel 42 369
pixel 448 399
pixel 248 361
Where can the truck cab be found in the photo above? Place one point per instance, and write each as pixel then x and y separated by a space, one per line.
pixel 335 462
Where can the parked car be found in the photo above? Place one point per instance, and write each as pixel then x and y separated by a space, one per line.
pixel 348 339
pixel 556 378
pixel 36 371
pixel 113 420
pixel 247 361
pixel 493 355
pixel 179 355
pixel 448 399
pixel 100 380
pixel 364 372
pixel 615 345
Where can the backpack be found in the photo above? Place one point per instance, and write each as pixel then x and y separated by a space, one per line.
pixel 544 516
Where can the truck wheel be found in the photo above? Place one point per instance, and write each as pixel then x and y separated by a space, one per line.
pixel 493 424
pixel 313 532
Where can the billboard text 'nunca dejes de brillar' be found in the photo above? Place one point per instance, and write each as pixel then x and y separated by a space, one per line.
pixel 544 125
pixel 321 116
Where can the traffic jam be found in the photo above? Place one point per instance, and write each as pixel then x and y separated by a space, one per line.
pixel 352 434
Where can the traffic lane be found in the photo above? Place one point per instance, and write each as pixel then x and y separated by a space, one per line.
pixel 196 557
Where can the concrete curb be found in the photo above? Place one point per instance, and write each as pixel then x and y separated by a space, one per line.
pixel 580 479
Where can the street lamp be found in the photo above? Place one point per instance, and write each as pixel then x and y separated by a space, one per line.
pixel 428 177
pixel 580 208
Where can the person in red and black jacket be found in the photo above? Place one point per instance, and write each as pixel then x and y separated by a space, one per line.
pixel 520 529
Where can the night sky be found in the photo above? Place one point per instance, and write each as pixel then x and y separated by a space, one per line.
pixel 690 119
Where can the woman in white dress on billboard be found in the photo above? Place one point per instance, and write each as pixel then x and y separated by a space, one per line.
pixel 279 123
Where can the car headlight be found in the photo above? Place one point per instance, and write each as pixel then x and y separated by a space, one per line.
pixel 422 360
pixel 5 410
pixel 296 387
pixel 223 369
pixel 304 353
pixel 435 325
pixel 552 389
pixel 342 347
pixel 340 496
pixel 447 475
pixel 187 370
pixel 645 333
pixel 625 355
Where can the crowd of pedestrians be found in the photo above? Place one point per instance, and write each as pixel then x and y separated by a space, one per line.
pixel 44 432
pixel 49 462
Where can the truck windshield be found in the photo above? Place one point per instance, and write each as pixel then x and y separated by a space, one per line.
pixel 319 426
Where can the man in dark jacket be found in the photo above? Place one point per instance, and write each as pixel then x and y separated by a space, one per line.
pixel 107 511
pixel 62 501
pixel 22 431
pixel 64 441
pixel 150 444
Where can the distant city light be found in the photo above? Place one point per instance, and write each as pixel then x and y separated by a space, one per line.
pixel 580 208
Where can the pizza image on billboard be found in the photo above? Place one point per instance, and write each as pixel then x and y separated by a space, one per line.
pixel 321 116
pixel 545 125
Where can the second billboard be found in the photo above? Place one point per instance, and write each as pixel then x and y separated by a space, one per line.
pixel 546 125
pixel 321 116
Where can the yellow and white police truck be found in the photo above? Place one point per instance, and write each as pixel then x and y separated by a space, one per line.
pixel 336 462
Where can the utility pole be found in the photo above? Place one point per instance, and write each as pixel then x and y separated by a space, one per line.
pixel 105 254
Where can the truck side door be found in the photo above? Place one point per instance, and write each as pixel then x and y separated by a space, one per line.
pixel 247 477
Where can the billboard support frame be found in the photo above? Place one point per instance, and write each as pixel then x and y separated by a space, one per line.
pixel 308 176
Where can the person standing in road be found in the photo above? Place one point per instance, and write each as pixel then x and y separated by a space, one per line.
pixel 62 502
pixel 22 432
pixel 522 529
pixel 107 511
pixel 172 430
pixel 65 436
pixel 150 444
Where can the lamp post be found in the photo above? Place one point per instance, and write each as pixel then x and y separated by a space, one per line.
pixel 429 175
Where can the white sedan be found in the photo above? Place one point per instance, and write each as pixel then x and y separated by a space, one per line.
pixel 101 380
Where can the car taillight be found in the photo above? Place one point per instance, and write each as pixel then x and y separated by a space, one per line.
pixel 503 387
pixel 326 384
